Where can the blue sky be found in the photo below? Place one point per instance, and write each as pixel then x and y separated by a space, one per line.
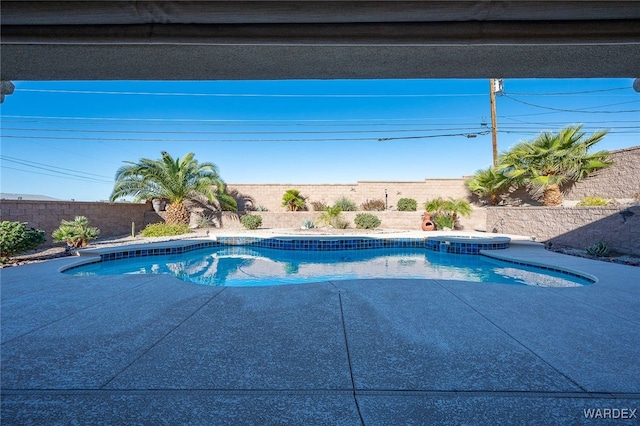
pixel 67 139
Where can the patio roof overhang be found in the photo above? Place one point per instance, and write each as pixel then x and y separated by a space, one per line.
pixel 270 40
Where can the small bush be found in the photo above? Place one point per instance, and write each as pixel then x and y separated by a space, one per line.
pixel 319 206
pixel 340 223
pixel 599 249
pixel 593 201
pixel 251 221
pixel 262 208
pixel 204 222
pixel 163 229
pixel 76 233
pixel 407 205
pixel 373 206
pixel 16 238
pixel 442 222
pixel 346 205
pixel 366 221
pixel 308 224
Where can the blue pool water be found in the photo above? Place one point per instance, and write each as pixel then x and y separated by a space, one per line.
pixel 254 266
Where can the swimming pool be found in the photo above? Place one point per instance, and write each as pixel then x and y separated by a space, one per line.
pixel 241 266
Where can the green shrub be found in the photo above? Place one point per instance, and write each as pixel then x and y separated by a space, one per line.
pixel 163 229
pixel 204 222
pixel 16 238
pixel 251 221
pixel 407 205
pixel 308 224
pixel 340 223
pixel 593 201
pixel 346 205
pixel 366 221
pixel 319 206
pixel 442 221
pixel 292 200
pixel 373 206
pixel 599 249
pixel 76 233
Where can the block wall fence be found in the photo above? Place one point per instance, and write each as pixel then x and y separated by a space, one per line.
pixel 576 227
pixel 251 196
pixel 112 219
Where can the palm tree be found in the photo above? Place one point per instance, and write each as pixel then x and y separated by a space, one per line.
pixel 173 179
pixel 456 208
pixel 489 182
pixel 552 160
pixel 445 213
pixel 292 200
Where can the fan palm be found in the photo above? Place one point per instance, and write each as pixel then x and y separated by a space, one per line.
pixel 488 182
pixel 445 213
pixel 552 160
pixel 176 180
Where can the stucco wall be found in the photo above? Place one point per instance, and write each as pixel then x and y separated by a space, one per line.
pixel 270 195
pixel 578 227
pixel 111 219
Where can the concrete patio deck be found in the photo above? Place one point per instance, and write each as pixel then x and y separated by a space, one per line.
pixel 156 350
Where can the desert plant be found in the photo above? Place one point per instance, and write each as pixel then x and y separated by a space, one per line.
pixel 308 224
pixel 593 201
pixel 551 160
pixel 292 200
pixel 345 204
pixel 204 222
pixel 599 249
pixel 340 223
pixel 407 205
pixel 445 213
pixel 262 208
pixel 330 216
pixel 366 221
pixel 251 221
pixel 76 233
pixel 174 179
pixel 442 222
pixel 489 183
pixel 319 206
pixel 165 229
pixel 16 238
pixel 373 205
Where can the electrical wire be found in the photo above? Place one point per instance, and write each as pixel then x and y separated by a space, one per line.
pixel 581 110
pixel 52 169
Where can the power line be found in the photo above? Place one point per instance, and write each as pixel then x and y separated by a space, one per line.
pixel 48 174
pixel 570 93
pixel 581 110
pixel 49 168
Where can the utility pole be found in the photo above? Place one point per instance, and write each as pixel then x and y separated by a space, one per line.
pixel 494 126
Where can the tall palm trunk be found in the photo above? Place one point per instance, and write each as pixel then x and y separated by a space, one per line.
pixel 552 196
pixel 177 213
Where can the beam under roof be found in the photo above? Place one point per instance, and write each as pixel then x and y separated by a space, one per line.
pixel 170 40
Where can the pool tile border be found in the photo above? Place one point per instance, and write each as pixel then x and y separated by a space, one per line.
pixel 311 245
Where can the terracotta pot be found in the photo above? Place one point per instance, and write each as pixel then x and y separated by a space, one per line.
pixel 427 225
